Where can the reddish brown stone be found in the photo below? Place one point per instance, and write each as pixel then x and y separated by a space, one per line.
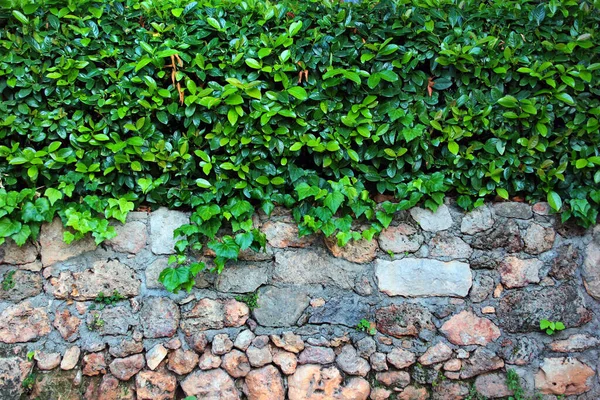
pixel 466 329
pixel 538 239
pixel 564 376
pixel 361 251
pixel 413 393
pixel 23 323
pixel 71 358
pixel 282 235
pixel 152 385
pixel 125 368
pixel 492 385
pixel 112 389
pixel 398 379
pixel 214 314
pixel 182 362
pixel 47 361
pixel 289 341
pixel 67 325
pixel 313 382
pixel 401 358
pixel 286 361
pixel 516 272
pixel 405 319
pixel 576 342
pixel 264 384
pixel 213 384
pixel 236 364
pixel 94 364
pixel 435 354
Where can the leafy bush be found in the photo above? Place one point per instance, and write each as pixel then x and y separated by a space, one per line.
pixel 226 107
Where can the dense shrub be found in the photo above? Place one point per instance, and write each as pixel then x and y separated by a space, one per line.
pixel 227 107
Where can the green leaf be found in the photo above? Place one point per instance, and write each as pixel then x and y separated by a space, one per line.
pixel 9 227
pixel 581 163
pixel 554 200
pixel 508 101
pixel 252 63
pixel 333 201
pixel 295 28
pixel 453 147
pixel 227 248
pixel 173 279
pixel 298 92
pixel 244 240
pixel 566 98
pixel 240 207
pixel 559 326
pixel 20 17
pixel 544 323
pixel 53 195
pixel 503 193
pixel 214 23
pixel 177 12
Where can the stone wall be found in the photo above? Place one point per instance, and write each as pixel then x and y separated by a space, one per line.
pixel 455 298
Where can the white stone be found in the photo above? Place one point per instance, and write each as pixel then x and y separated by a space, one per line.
pixel 163 223
pixel 413 277
pixel 478 220
pixel 432 221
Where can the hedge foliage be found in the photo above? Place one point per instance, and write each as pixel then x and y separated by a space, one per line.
pixel 225 107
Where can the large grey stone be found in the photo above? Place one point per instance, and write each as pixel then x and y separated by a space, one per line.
pixel 314 267
pixel 160 317
pixel 25 284
pixel 413 277
pixel 447 246
pixel 513 210
pixel 505 235
pixel 13 370
pixel 163 223
pixel 591 270
pixel 131 237
pixel 10 253
pixel 432 221
pixel 404 319
pixel 54 248
pixel 478 220
pixel 280 306
pixel 401 238
pixel 521 311
pixel 242 278
pixel 346 311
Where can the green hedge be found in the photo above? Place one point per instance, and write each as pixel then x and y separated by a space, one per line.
pixel 227 107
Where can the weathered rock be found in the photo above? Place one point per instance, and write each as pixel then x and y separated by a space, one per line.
pixel 94 364
pixel 67 325
pixel 280 306
pixel 104 277
pixel 150 385
pixel 483 286
pixel 492 386
pixel 260 341
pixel 214 314
pixel 242 278
pixel 541 208
pixel 484 259
pixel 131 237
pixel 236 364
pixel 380 394
pixel 23 323
pixel 447 246
pixel 405 319
pixel 397 379
pixel 182 361
pixel 521 311
pixel 378 362
pixel 47 361
pixel 401 358
pixel 413 393
pixel 538 239
pixel 591 270
pixel 243 339
pixel 516 272
pixel 481 361
pixel 360 251
pixel 259 357
pixel 197 341
pixel 54 248
pixel 412 277
pixel 111 389
pixel 432 221
pixel 125 347
pixel 453 365
pixel 210 385
pixel 520 350
pixel 316 355
pixel 264 384
pixel 400 239
pixel 564 376
pixel 13 370
pixel 351 363
pixel 285 360
pixel 566 262
pixel 125 368
pixel 57 384
pixel 435 354
pixel 153 271
pixel 366 346
pixel 288 341
pixel 209 361
pixel 221 344
pixel 448 390
pixel 155 356
pixel 346 311
pixel 513 210
pixel 312 382
pixel 163 223
pixel 505 235
pixel 576 342
pixel 304 267
pixel 116 320
pixel 11 253
pixel 478 220
pixel 467 328
pixel 25 284
pixel 281 235
pixel 159 317
pixel 71 358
